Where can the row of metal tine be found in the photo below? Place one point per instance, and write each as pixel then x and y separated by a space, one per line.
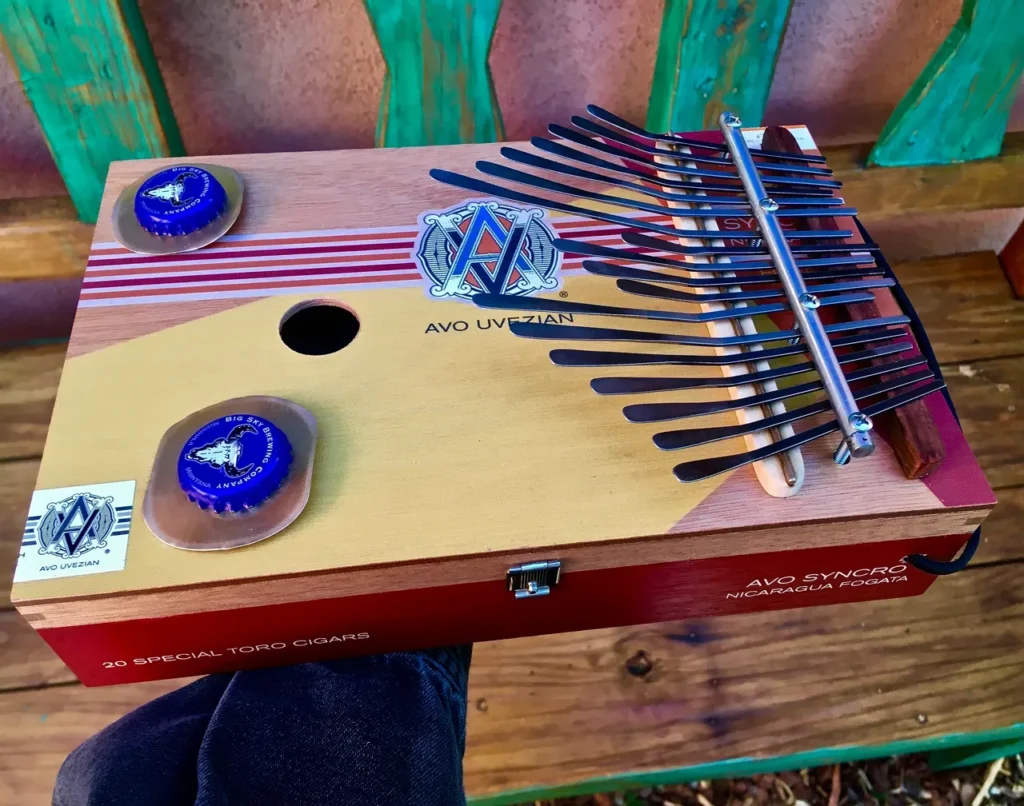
pixel 860 365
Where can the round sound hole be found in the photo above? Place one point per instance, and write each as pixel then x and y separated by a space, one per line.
pixel 318 327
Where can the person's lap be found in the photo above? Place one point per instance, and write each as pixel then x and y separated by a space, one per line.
pixel 385 729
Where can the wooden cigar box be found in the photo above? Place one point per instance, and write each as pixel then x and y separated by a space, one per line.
pixel 462 487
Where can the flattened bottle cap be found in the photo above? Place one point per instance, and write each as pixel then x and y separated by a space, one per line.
pixel 234 463
pixel 179 201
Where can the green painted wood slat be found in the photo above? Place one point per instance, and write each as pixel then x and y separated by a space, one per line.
pixel 959 106
pixel 89 72
pixel 715 55
pixel 438 89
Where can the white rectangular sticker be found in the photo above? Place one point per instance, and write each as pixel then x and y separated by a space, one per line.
pixel 73 531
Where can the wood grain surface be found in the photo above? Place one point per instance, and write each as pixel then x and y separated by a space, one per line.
pixel 42 239
pixel 17 480
pixel 1003 532
pixel 989 396
pixel 966 305
pixel 28 385
pixel 557 709
pixel 745 686
pixel 28 661
pixel 884 192
pixel 43 249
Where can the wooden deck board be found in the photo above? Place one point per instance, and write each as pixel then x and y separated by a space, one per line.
pixel 989 397
pixel 28 661
pixel 1003 533
pixel 28 386
pixel 17 479
pixel 553 710
pixel 966 305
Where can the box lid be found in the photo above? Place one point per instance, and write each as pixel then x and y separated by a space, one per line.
pixel 441 435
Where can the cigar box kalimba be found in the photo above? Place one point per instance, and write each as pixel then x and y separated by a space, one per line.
pixel 433 395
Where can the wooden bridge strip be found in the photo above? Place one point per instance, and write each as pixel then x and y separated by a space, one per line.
pixel 553 710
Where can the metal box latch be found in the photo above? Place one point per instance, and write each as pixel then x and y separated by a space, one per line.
pixel 533 579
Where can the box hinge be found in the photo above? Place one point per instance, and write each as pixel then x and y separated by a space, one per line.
pixel 533 579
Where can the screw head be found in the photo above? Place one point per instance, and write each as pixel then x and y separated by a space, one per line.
pixel 731 120
pixel 769 205
pixel 860 421
pixel 809 302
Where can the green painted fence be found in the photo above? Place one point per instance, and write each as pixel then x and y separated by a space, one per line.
pixel 438 88
pixel 958 107
pixel 715 55
pixel 89 72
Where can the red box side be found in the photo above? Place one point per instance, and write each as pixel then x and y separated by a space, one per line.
pixel 203 643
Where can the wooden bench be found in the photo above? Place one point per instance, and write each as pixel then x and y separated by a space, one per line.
pixel 602 710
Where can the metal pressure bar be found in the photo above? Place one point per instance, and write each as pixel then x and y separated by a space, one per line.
pixel 854 425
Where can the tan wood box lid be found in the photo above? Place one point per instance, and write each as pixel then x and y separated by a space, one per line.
pixel 443 439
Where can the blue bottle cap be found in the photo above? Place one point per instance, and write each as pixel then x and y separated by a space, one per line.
pixel 234 463
pixel 179 201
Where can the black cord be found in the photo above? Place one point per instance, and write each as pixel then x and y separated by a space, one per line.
pixel 920 561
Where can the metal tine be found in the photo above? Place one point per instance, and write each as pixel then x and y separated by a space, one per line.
pixel 581 139
pixel 600 250
pixel 535 161
pixel 490 189
pixel 538 330
pixel 634 238
pixel 700 469
pixel 562 150
pixel 621 123
pixel 609 134
pixel 629 273
pixel 709 211
pixel 659 412
pixel 611 358
pixel 504 302
pixel 693 437
pixel 643 289
pixel 736 268
pixel 631 386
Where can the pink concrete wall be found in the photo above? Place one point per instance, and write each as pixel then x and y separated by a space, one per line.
pixel 261 75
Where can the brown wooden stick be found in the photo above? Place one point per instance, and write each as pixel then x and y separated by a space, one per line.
pixel 910 430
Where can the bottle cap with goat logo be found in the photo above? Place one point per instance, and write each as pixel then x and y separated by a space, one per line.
pixel 179 201
pixel 234 463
